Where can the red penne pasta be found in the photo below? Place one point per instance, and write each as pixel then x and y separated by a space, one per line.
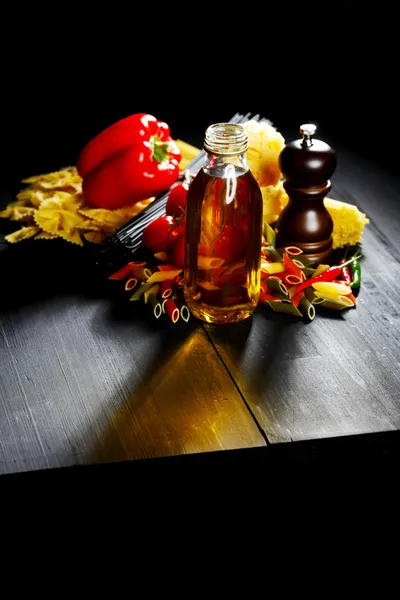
pixel 125 271
pixel 172 310
pixel 291 267
pixel 166 288
pixel 130 284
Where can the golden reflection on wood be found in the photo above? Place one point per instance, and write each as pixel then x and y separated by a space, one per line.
pixel 186 403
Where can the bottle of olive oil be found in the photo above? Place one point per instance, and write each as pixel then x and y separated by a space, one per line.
pixel 223 231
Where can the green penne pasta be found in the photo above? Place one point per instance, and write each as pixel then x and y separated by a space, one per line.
pixel 285 307
pixel 303 259
pixel 276 287
pixel 269 235
pixel 308 271
pixel 140 291
pixel 312 296
pixel 273 253
pixel 156 306
pixel 307 309
pixel 332 304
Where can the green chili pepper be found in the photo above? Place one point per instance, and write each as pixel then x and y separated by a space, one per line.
pixel 355 269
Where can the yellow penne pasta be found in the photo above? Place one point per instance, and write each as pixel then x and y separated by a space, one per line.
pixel 332 295
pixel 346 300
pixel 271 268
pixel 159 276
pixel 339 289
pixel 209 262
pixel 142 273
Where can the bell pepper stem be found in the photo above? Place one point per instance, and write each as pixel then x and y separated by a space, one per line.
pixel 160 149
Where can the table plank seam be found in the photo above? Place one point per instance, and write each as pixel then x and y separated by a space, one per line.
pixel 260 429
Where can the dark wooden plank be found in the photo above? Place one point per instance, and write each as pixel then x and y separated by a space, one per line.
pixel 340 374
pixel 82 383
pixel 374 190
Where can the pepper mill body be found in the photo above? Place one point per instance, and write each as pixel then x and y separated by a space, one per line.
pixel 307 166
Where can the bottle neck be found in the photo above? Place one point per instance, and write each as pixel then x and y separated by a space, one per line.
pixel 220 165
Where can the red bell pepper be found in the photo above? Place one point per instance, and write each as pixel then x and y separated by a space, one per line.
pixel 120 135
pixel 130 161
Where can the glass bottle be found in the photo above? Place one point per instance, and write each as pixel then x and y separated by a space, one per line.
pixel 223 231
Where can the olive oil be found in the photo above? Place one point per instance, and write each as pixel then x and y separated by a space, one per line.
pixel 223 231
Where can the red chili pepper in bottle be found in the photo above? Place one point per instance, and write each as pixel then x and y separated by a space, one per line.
pixel 328 275
pixel 345 273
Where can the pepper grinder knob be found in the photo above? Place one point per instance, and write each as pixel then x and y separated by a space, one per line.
pixel 307 165
pixel 308 131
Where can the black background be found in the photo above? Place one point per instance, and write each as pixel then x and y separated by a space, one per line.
pixel 69 73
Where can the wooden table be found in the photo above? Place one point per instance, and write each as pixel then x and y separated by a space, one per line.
pixel 87 380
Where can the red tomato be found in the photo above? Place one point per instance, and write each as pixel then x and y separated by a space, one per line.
pixel 178 252
pixel 230 244
pixel 156 234
pixel 176 203
pixel 175 233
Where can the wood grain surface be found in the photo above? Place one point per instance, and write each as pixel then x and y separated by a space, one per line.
pixel 340 374
pixel 86 379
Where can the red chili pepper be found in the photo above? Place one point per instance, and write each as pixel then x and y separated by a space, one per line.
pixel 345 273
pixel 130 161
pixel 328 275
pixel 297 298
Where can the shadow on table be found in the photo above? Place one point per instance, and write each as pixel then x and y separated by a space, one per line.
pixel 32 271
pixel 249 349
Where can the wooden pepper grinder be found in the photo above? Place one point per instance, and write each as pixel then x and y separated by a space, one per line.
pixel 307 166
